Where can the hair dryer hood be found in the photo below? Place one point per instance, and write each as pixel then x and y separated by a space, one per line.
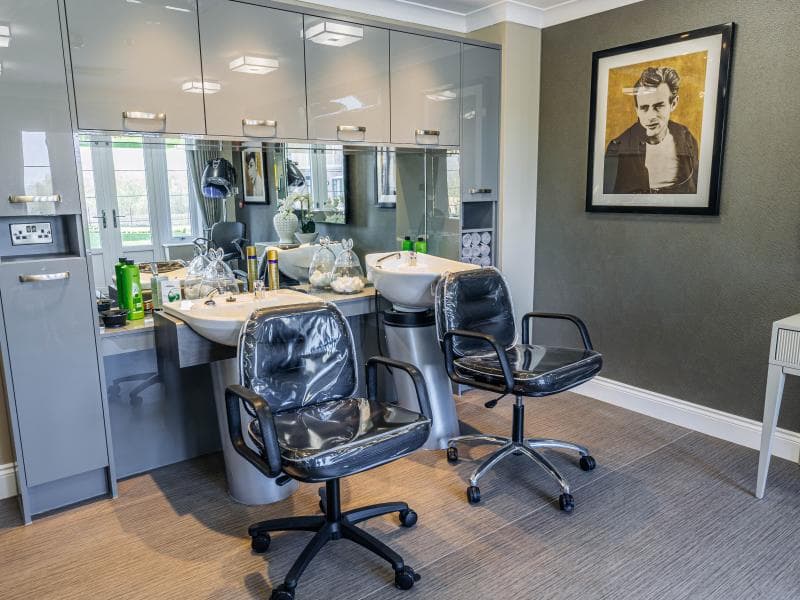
pixel 218 178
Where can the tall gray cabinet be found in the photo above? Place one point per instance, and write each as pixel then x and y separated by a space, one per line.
pixel 50 364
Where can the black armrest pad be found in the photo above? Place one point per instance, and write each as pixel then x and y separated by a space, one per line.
pixel 416 377
pixel 502 357
pixel 270 464
pixel 526 334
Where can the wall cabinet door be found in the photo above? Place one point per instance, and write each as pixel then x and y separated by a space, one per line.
pixel 426 80
pixel 136 65
pixel 52 358
pixel 347 73
pixel 480 123
pixel 253 59
pixel 36 151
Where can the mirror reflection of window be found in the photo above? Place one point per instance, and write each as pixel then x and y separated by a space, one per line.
pixel 323 189
pixel 387 178
pixel 37 178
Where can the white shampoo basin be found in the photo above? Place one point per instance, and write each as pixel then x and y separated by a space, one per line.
pixel 294 262
pixel 222 321
pixel 410 287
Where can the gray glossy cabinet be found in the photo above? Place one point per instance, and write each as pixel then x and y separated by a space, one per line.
pixel 253 58
pixel 38 172
pixel 136 65
pixel 480 123
pixel 347 74
pixel 426 82
pixel 51 355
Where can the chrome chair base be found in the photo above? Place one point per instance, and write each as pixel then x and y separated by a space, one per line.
pixel 518 445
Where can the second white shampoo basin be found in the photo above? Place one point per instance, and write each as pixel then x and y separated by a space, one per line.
pixel 409 284
pixel 221 322
pixel 294 262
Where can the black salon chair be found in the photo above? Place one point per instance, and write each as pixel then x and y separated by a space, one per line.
pixel 475 324
pixel 298 369
pixel 231 238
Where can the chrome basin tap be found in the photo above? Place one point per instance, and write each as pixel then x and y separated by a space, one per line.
pixel 387 257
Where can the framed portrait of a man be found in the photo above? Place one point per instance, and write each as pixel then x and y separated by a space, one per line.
pixel 657 124
pixel 253 175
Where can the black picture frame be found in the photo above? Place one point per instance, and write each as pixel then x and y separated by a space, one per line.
pixel 263 198
pixel 720 109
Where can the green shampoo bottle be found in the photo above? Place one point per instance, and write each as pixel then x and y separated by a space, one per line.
pixel 133 291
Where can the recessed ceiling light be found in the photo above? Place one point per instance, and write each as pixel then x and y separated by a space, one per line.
pixel 442 96
pixel 178 8
pixel 198 87
pixel 254 65
pixel 330 33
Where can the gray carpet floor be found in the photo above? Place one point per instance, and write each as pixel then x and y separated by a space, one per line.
pixel 667 514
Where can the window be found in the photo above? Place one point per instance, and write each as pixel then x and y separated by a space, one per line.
pixel 130 178
pixel 90 195
pixel 180 211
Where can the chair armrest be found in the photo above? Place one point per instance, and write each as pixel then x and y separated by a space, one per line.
pixel 416 377
pixel 269 465
pixel 587 342
pixel 502 357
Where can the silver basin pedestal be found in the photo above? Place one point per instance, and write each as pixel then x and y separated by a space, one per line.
pixel 411 337
pixel 246 484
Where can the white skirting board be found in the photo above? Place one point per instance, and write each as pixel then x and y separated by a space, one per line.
pixel 716 423
pixel 8 480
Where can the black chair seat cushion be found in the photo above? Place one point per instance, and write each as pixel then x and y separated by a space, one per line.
pixel 342 437
pixel 538 370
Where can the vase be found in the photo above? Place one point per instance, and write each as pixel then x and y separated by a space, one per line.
pixel 285 225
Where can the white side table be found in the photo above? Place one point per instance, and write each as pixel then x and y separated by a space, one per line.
pixel 784 359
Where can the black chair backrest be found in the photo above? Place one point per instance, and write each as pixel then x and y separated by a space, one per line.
pixel 476 300
pixel 298 355
pixel 226 235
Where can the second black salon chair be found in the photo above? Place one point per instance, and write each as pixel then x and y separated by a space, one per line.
pixel 307 422
pixel 475 323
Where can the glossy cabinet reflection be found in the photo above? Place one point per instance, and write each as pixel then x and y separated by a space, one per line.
pixel 136 65
pixel 254 71
pixel 347 73
pixel 38 159
pixel 480 123
pixel 426 82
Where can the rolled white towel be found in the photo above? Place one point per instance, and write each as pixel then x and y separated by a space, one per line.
pixel 475 260
pixel 476 238
pixel 485 261
pixel 486 237
pixel 466 240
pixel 466 253
pixel 484 250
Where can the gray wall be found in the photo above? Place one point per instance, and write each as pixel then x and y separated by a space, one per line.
pixel 680 305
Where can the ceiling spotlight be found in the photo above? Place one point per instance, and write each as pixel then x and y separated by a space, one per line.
pixel 5 35
pixel 254 65
pixel 334 34
pixel 198 87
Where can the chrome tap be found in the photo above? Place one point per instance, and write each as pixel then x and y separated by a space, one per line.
pixel 388 256
pixel 412 259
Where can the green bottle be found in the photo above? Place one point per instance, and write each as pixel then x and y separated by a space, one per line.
pixel 407 243
pixel 421 245
pixel 133 291
pixel 121 296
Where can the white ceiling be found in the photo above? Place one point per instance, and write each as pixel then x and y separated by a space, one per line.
pixel 468 15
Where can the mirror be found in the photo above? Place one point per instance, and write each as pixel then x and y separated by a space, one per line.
pixel 315 181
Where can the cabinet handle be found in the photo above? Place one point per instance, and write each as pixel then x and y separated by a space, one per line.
pixel 32 278
pixel 23 199
pixel 261 123
pixel 427 133
pixel 143 116
pixel 350 129
pixel 480 190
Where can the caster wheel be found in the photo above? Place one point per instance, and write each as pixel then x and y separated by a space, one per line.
pixel 405 578
pixel 408 518
pixel 260 543
pixel 587 463
pixel 566 503
pixel 452 454
pixel 281 593
pixel 473 494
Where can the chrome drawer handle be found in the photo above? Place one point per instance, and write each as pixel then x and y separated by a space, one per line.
pixel 432 132
pixel 480 190
pixel 261 123
pixel 145 116
pixel 351 129
pixel 23 199
pixel 43 277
